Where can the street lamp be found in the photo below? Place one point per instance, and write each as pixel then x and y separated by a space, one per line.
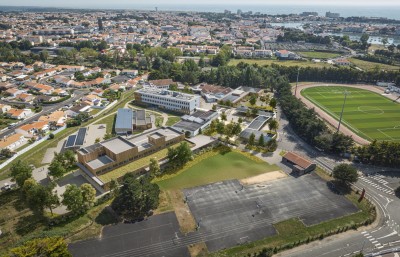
pixel 341 114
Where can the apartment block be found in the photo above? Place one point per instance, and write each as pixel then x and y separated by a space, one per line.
pixel 166 99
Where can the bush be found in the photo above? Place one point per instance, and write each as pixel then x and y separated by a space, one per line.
pixel 51 136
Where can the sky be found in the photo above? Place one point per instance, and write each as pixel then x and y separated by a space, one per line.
pixel 102 3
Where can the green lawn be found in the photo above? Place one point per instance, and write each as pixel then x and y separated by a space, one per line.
pixel 133 166
pixel 290 63
pixel 219 167
pixel 368 114
pixel 110 123
pixel 319 55
pixel 172 120
pixel 368 66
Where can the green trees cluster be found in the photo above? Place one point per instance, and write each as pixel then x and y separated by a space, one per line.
pixel 39 197
pixel 179 156
pixel 333 74
pixel 62 162
pixel 379 153
pixel 295 35
pixel 79 199
pixel 48 246
pixel 345 174
pixel 136 198
pixel 20 171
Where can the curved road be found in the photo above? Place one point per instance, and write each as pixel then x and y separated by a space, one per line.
pixel 379 184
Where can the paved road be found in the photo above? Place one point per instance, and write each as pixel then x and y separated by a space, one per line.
pixel 46 110
pixel 379 184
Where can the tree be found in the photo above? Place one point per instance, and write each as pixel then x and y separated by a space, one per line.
pixel 273 125
pixel 6 153
pixel 114 187
pixel 88 195
pixel 385 41
pixel 57 169
pixel 261 141
pixel 73 199
pixel 70 158
pixel 252 139
pixel 39 197
pixel 154 167
pixel 271 145
pixel 20 171
pixel 391 48
pixel 240 120
pixel 272 103
pixel 51 136
pixel 136 197
pixel 48 246
pixel 180 155
pixel 345 173
pixel 223 116
pixel 253 100
pixel 44 55
pixel 97 140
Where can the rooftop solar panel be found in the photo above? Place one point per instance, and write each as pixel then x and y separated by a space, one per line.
pixel 80 138
pixel 70 141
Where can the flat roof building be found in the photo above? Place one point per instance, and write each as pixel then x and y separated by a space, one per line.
pixel 128 120
pixel 105 156
pixel 166 99
pixel 192 124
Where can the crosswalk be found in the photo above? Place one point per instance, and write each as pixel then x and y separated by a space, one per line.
pixel 379 183
pixel 372 239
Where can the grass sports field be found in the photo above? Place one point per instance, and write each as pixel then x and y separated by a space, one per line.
pixel 231 165
pixel 368 114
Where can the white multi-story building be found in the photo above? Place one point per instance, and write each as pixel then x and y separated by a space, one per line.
pixel 170 100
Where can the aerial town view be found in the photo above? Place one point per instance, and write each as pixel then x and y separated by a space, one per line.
pixel 222 128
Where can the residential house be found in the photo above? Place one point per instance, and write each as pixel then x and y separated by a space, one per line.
pixel 56 118
pixel 19 114
pixel 285 54
pixel 161 83
pixel 14 92
pixel 44 89
pixel 92 99
pixel 117 87
pixel 4 108
pixel 26 98
pixel 60 92
pixel 12 142
pixel 131 73
pixel 75 110
pixel 342 62
pixel 32 129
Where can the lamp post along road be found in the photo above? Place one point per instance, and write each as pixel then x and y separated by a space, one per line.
pixel 341 114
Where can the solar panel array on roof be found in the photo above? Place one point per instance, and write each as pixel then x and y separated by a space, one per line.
pixel 70 141
pixel 80 138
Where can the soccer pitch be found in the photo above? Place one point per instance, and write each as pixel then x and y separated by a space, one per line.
pixel 368 114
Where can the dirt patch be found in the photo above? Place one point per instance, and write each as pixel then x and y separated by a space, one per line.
pixel 165 204
pixel 269 176
pixel 183 214
pixel 198 250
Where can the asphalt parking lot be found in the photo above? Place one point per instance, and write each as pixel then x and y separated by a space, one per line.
pixel 154 237
pixel 241 214
pixel 227 213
